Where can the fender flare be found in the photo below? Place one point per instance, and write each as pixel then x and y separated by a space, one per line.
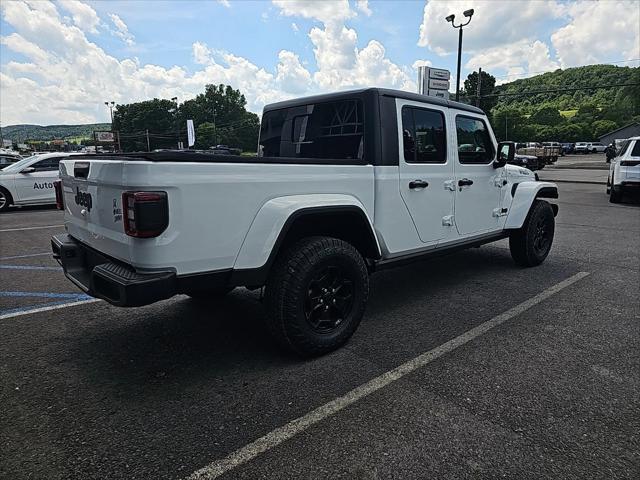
pixel 276 216
pixel 524 194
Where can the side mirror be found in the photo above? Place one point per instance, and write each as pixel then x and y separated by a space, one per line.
pixel 28 170
pixel 506 153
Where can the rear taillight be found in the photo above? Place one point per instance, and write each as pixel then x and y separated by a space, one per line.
pixel 145 214
pixel 57 186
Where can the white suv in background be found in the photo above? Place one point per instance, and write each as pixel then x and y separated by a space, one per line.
pixel 581 147
pixel 624 171
pixel 596 147
pixel 30 180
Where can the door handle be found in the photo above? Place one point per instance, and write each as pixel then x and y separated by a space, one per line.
pixel 465 182
pixel 418 184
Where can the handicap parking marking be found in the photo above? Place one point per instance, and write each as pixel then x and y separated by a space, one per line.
pixel 29 267
pixel 60 300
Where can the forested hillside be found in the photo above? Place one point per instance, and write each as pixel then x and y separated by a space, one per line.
pixel 567 113
pixel 22 133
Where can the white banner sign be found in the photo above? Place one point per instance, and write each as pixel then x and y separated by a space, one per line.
pixel 191 133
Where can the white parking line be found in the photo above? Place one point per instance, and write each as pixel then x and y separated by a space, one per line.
pixel 25 256
pixel 291 429
pixel 46 309
pixel 31 228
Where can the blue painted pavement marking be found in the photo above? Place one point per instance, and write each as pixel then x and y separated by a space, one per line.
pixel 28 267
pixel 59 299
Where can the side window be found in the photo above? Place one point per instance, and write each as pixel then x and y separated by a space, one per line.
pixel 474 142
pixel 333 130
pixel 423 136
pixel 636 149
pixel 48 164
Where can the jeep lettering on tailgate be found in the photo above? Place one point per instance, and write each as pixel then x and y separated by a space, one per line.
pixel 83 199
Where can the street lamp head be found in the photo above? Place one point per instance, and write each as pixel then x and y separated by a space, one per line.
pixel 113 103
pixel 106 103
pixel 174 99
pixel 450 18
pixel 468 13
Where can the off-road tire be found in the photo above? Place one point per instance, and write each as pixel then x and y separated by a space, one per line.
pixel 288 289
pixel 615 195
pixel 6 196
pixel 209 294
pixel 527 249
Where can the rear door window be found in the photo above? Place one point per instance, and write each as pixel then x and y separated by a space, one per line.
pixel 474 142
pixel 423 135
pixel 636 149
pixel 330 130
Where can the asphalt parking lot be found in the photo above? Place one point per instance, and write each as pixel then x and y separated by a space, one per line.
pixel 528 373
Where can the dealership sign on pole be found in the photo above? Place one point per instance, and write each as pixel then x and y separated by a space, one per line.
pixel 434 82
pixel 105 137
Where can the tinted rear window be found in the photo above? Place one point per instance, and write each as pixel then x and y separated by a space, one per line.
pixel 636 149
pixel 332 130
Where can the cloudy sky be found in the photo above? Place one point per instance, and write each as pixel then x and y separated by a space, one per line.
pixel 59 61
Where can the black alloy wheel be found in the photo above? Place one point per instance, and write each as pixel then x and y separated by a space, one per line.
pixel 329 299
pixel 542 237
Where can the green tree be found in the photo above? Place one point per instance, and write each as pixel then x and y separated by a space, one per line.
pixel 206 135
pixel 487 87
pixel 547 116
pixel 600 127
pixel 157 116
pixel 224 107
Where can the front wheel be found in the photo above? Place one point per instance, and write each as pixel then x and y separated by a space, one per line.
pixel 316 295
pixel 531 243
pixel 5 200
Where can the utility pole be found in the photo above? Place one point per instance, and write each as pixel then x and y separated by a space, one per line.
pixel 479 86
pixel 148 143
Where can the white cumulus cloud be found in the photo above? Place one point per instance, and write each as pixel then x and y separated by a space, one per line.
pixel 83 15
pixel 122 31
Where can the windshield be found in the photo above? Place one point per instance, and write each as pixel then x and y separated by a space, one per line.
pixel 16 167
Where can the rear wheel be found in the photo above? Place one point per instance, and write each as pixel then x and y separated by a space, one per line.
pixel 531 243
pixel 615 194
pixel 5 200
pixel 316 295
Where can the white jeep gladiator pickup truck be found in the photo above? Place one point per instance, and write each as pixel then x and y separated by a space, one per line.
pixel 343 185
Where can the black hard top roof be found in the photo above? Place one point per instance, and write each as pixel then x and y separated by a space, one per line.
pixel 377 91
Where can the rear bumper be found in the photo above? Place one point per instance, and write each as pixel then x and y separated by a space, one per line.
pixel 628 184
pixel 102 277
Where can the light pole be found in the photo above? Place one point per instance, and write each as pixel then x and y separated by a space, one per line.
pixel 111 105
pixel 450 18
pixel 175 120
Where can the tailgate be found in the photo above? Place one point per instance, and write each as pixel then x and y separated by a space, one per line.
pixel 93 204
